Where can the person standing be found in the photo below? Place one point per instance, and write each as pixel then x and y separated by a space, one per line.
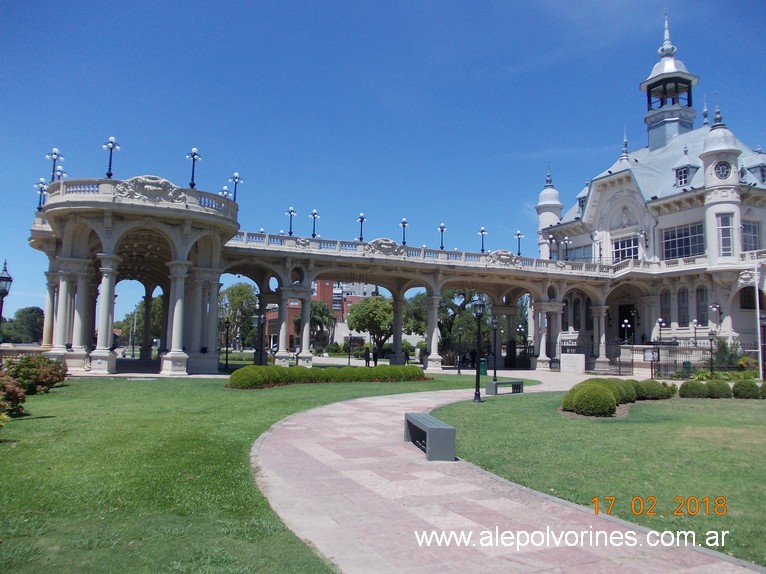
pixel 366 357
pixel 406 357
pixel 375 357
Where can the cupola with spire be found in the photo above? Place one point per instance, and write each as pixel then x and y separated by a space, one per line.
pixel 548 208
pixel 668 96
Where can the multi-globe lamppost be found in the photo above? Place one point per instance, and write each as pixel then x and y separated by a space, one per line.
pixel 519 236
pixel 60 173
pixel 459 348
pixel 111 145
pixel 361 219
pixel 314 216
pixel 403 224
pixel 194 156
pixel 495 324
pixel 5 288
pixel 42 189
pixel 236 180
pixel 711 338
pixel 55 156
pixel 227 326
pixel 478 312
pixel 482 232
pixel 442 229
pixel 291 213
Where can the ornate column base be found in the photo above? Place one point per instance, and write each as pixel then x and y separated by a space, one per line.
pixel 282 359
pixel 305 359
pixel 602 364
pixel 433 362
pixel 542 364
pixel 174 363
pixel 103 361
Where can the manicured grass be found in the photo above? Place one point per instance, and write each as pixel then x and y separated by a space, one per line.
pixel 662 449
pixel 117 475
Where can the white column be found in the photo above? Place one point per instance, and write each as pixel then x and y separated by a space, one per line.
pixel 212 316
pixel 434 360
pixel 196 334
pixel 106 304
pixel 282 357
pixel 82 301
pixel 59 330
pixel 146 347
pixel 50 306
pixel 305 357
pixel 178 271
pixel 397 357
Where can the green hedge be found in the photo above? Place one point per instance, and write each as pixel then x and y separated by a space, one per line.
pixel 763 390
pixel 258 377
pixel 746 390
pixel 35 373
pixel 595 400
pixel 694 390
pixel 651 390
pixel 718 390
pixel 621 391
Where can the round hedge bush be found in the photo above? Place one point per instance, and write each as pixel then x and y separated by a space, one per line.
pixel 746 390
pixel 594 400
pixel 651 390
pixel 693 390
pixel 718 390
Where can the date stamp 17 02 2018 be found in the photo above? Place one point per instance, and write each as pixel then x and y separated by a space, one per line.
pixel 647 506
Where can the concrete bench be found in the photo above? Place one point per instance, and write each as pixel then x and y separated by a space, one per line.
pixel 516 386
pixel 429 434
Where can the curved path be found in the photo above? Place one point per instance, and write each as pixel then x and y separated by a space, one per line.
pixel 343 479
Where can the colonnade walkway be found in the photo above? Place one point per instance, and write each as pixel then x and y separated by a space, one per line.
pixel 343 479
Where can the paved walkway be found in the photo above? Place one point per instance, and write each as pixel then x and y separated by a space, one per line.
pixel 343 479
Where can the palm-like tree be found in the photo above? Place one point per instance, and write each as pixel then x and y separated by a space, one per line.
pixel 321 318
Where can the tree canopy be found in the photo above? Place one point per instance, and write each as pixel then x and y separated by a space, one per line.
pixel 25 327
pixel 373 315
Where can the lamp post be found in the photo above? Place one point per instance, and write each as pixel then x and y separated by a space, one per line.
pixel 717 308
pixel 711 338
pixel 567 243
pixel 459 348
pixel 42 189
pixel 349 348
pixel 442 229
pixel 236 180
pixel 291 213
pixel 521 335
pixel 60 173
pixel 626 326
pixel 5 288
pixel 551 242
pixel 258 320
pixel 194 156
pixel 111 145
pixel 482 232
pixel 695 324
pixel 361 219
pixel 495 324
pixel 227 326
pixel 762 346
pixel 314 216
pixel 478 312
pixel 403 223
pixel 660 325
pixel 55 156
pixel 519 236
pixel 225 192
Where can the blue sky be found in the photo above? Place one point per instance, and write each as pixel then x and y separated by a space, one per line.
pixel 437 111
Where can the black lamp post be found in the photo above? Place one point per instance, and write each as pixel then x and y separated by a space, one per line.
pixel 258 321
pixel 291 213
pixel 478 312
pixel 459 348
pixel 763 346
pixel 695 324
pixel 60 173
pixel 660 325
pixel 519 236
pixel 403 225
pixel 194 156
pixel 349 348
pixel 225 192
pixel 314 216
pixel 5 288
pixel 111 145
pixel 521 335
pixel 227 326
pixel 495 324
pixel 711 338
pixel 236 180
pixel 551 241
pixel 42 189
pixel 482 232
pixel 361 219
pixel 626 326
pixel 717 308
pixel 55 156
pixel 442 229
pixel 567 243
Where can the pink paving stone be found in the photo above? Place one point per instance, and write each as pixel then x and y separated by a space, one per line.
pixel 343 479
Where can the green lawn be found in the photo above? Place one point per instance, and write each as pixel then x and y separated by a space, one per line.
pixel 662 449
pixel 117 475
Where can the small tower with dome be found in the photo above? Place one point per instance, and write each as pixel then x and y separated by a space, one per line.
pixel 548 208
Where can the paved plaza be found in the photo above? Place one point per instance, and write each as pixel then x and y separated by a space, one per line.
pixel 343 479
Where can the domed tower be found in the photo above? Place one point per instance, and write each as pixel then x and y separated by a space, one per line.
pixel 668 96
pixel 719 157
pixel 548 208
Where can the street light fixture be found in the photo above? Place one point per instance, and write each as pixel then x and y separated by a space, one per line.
pixel 258 320
pixel 55 156
pixel 482 232
pixel 695 324
pixel 521 334
pixel 236 180
pixel 194 156
pixel 519 236
pixel 442 229
pixel 403 225
pixel 459 348
pixel 567 243
pixel 717 308
pixel 660 324
pixel 361 219
pixel 314 216
pixel 5 288
pixel 225 192
pixel 227 326
pixel 495 324
pixel 291 213
pixel 42 189
pixel 626 326
pixel 711 338
pixel 478 312
pixel 111 145
pixel 60 173
pixel 349 348
pixel 551 242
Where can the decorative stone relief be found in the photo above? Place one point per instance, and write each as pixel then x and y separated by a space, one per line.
pixel 302 242
pixel 150 188
pixel 385 247
pixel 625 218
pixel 746 277
pixel 503 257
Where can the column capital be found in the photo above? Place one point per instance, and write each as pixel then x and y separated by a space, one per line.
pixel 599 310
pixel 109 261
pixel 178 268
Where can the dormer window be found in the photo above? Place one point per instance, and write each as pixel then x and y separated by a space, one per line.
pixel 581 205
pixel 763 173
pixel 682 176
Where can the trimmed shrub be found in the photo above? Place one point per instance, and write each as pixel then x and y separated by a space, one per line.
pixel 594 400
pixel 693 390
pixel 763 390
pixel 746 390
pixel 11 396
pixel 256 377
pixel 718 390
pixel 651 390
pixel 35 373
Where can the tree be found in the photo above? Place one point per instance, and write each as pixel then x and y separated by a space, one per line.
pixel 126 325
pixel 373 315
pixel 26 326
pixel 239 303
pixel 321 318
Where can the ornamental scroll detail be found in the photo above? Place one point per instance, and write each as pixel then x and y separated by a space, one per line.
pixel 503 257
pixel 150 188
pixel 385 247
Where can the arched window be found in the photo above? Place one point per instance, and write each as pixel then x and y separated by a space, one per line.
pixel 701 306
pixel 588 315
pixel 665 306
pixel 576 314
pixel 683 307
